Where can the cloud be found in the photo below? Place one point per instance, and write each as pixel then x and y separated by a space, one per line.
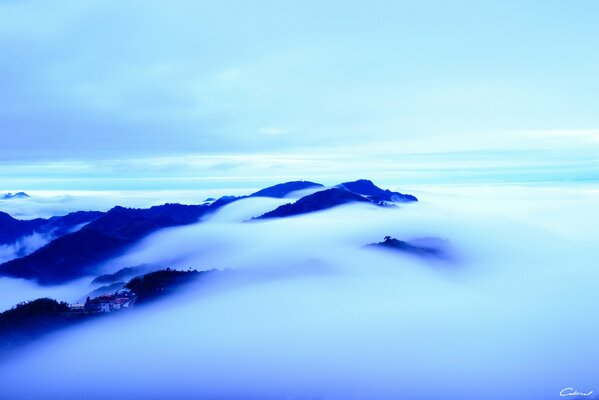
pixel 15 291
pixel 323 312
pixel 567 137
pixel 524 157
pixel 335 315
pixel 200 79
pixel 229 75
pixel 272 131
pixel 24 246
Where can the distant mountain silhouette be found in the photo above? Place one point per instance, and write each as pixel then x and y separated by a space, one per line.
pixel 12 229
pixel 65 258
pixel 132 223
pixel 373 192
pixel 106 289
pixel 358 191
pixel 124 273
pixel 19 195
pixel 60 226
pixel 223 201
pixel 322 200
pixel 76 254
pixel 426 247
pixel 28 321
pixel 278 191
pixel 283 189
pixel 106 235
pixel 158 284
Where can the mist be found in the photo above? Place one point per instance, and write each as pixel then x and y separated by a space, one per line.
pixel 305 312
pixel 16 290
pixel 23 246
pixel 49 203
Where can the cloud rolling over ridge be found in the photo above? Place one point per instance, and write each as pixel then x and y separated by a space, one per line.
pixel 358 323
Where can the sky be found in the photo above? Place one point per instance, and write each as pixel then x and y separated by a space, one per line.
pixel 102 95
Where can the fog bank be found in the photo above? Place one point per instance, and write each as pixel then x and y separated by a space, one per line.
pixel 512 317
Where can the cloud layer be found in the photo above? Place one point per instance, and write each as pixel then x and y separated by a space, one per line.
pixel 323 318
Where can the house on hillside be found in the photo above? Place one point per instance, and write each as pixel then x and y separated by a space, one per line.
pixel 120 303
pixel 122 299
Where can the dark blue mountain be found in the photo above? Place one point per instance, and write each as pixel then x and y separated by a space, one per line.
pixel 19 195
pixel 11 229
pixel 60 226
pixel 315 202
pixel 29 321
pixel 359 191
pixel 283 189
pixel 223 201
pixel 158 284
pixel 366 188
pixel 132 223
pixel 124 273
pixel 427 247
pixel 77 253
pixel 65 258
pixel 278 191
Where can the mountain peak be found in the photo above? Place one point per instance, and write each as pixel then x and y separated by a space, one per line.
pixel 367 188
pixel 283 189
pixel 18 195
pixel 321 200
pixel 77 253
pixel 423 247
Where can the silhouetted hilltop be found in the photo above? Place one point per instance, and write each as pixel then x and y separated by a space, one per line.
pixel 224 200
pixel 358 191
pixel 161 283
pixel 283 189
pixel 76 254
pixel 132 223
pixel 430 247
pixel 124 273
pixel 12 229
pixel 25 313
pixel 60 226
pixel 28 321
pixel 107 289
pixel 107 235
pixel 373 192
pixel 18 195
pixel 276 191
pixel 65 258
pixel 315 202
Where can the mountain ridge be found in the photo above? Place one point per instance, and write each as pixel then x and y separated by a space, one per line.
pixel 74 254
pixel 367 188
pixel 110 234
pixel 18 195
pixel 13 229
pixel 318 201
pixel 362 190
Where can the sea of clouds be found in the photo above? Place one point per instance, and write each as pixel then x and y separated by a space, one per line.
pixel 308 313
